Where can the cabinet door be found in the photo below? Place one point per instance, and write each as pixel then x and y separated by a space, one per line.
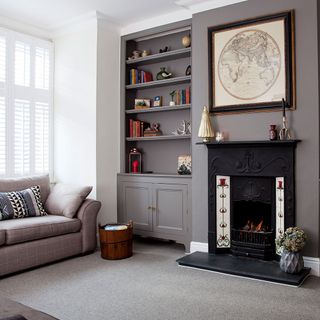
pixel 137 204
pixel 170 202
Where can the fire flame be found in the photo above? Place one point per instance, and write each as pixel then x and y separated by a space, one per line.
pixel 251 226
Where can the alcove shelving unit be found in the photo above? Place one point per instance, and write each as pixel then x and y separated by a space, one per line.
pixel 163 209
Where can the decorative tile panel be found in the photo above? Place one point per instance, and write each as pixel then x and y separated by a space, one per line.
pixel 280 205
pixel 223 211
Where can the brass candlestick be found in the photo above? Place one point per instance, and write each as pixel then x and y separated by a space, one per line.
pixel 285 133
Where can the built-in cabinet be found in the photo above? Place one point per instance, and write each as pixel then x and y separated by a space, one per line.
pixel 159 206
pixel 157 199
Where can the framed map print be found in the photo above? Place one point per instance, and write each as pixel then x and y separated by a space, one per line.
pixel 252 64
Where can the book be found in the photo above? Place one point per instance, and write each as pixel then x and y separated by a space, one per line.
pixel 131 128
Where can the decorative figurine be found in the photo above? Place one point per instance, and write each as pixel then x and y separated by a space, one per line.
pixel 136 54
pixel 135 165
pixel 188 70
pixel 163 74
pixel 219 136
pixel 154 130
pixel 145 53
pixel 205 129
pixel 166 49
pixel 172 95
pixel 186 41
pixel 183 129
pixel 285 133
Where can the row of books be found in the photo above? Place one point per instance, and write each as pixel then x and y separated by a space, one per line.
pixel 137 128
pixel 140 76
pixel 183 96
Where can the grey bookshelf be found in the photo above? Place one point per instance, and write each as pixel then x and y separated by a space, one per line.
pixel 159 57
pixel 158 185
pixel 159 83
pixel 160 109
pixel 163 137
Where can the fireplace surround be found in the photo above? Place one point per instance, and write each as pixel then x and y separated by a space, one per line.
pixel 251 200
pixel 251 196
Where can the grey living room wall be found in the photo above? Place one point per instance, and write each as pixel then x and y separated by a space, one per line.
pixel 255 126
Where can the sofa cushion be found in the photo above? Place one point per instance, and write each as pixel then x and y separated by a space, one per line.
pixel 17 184
pixel 66 199
pixel 21 204
pixel 22 230
pixel 2 237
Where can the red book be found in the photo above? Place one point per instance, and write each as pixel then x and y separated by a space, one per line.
pixel 138 128
pixel 188 95
pixel 131 127
pixel 134 134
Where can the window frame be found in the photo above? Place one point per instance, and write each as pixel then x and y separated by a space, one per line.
pixel 10 88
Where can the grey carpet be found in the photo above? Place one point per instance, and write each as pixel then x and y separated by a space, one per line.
pixel 150 285
pixel 9 308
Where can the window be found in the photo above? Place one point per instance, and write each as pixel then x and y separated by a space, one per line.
pixel 26 69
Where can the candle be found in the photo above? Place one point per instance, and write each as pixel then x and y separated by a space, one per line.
pixel 222 182
pixel 279 184
pixel 135 166
pixel 219 136
pixel 283 108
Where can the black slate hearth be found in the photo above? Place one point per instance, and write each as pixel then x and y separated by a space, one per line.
pixel 242 266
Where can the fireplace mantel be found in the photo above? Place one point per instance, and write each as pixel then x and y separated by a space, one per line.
pixel 250 143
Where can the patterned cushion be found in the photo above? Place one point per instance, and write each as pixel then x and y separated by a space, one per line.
pixel 21 204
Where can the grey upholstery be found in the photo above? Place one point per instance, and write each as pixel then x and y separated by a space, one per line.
pixel 17 184
pixel 34 241
pixel 2 237
pixel 27 229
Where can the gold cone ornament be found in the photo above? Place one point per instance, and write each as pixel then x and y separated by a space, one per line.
pixel 205 130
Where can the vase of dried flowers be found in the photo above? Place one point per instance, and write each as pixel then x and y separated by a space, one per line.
pixel 290 244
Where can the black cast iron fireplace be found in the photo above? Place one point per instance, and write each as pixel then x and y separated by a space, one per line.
pixel 251 196
pixel 251 200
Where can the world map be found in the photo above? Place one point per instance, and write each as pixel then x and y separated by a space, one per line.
pixel 249 64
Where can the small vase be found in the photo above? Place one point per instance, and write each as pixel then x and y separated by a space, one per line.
pixel 273 132
pixel 291 262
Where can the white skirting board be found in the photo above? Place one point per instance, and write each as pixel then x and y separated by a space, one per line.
pixel 309 262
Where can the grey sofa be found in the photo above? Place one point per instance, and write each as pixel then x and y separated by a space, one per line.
pixel 34 241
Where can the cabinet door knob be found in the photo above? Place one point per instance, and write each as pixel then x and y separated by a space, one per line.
pixel 149 208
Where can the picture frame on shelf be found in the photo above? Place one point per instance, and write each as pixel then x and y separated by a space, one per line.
pixel 157 101
pixel 184 164
pixel 252 64
pixel 142 104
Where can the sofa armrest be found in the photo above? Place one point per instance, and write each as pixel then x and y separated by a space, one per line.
pixel 87 214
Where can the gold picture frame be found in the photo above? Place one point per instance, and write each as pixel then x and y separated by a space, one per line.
pixel 252 64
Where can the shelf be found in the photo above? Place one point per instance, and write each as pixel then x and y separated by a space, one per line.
pixel 159 109
pixel 159 57
pixel 252 142
pixel 157 174
pixel 168 137
pixel 159 83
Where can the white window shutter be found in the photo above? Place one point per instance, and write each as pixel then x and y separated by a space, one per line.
pixel 2 59
pixel 3 136
pixel 42 68
pixel 25 104
pixel 22 64
pixel 41 137
pixel 22 137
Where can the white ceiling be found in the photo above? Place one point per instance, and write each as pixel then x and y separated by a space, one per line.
pixel 50 14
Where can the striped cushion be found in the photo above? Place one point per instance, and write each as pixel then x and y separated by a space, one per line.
pixel 21 204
